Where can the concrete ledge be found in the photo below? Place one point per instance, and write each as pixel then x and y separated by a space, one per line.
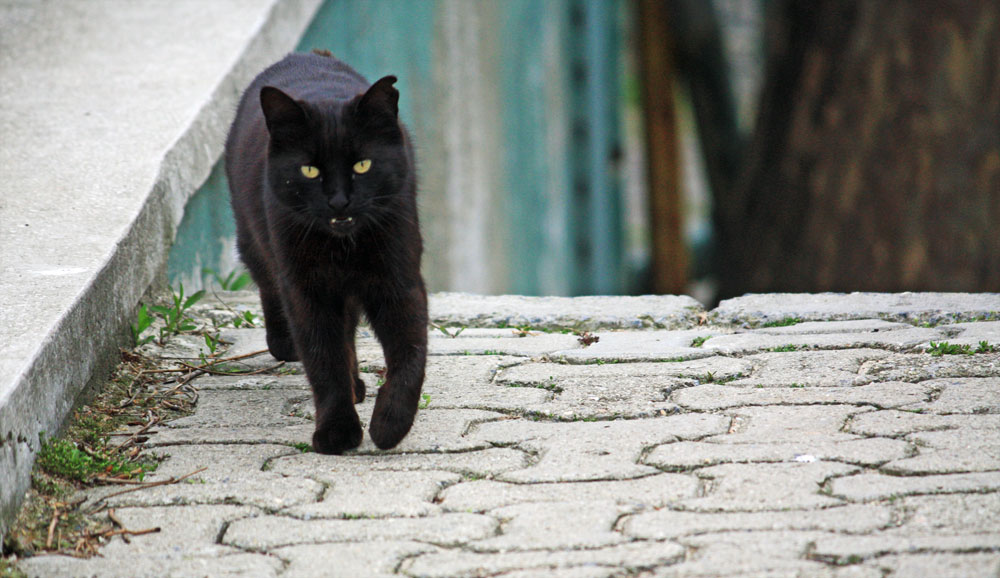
pixel 932 308
pixel 112 114
pixel 579 313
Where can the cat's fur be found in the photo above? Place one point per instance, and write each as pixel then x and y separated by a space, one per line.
pixel 316 275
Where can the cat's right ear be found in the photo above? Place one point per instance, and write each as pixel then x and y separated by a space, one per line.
pixel 286 121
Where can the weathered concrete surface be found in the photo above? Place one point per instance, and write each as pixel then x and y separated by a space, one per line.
pixel 582 313
pixel 933 308
pixel 856 454
pixel 111 116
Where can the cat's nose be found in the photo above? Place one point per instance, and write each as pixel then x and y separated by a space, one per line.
pixel 338 202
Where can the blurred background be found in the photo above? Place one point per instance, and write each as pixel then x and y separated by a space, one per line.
pixel 701 147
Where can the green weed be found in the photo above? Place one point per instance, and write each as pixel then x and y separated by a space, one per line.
pixel 985 347
pixel 65 459
pixel 940 348
pixel 783 322
pixel 944 348
pixel 143 321
pixel 425 400
pixel 699 341
pixel 447 333
pixel 785 348
pixel 175 318
pixel 246 319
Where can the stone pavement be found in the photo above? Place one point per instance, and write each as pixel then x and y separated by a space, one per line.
pixel 682 443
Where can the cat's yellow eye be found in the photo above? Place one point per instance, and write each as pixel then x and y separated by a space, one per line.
pixel 309 171
pixel 361 167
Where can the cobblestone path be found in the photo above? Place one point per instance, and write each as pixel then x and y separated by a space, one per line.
pixel 679 444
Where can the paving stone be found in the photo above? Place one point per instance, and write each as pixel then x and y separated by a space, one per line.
pixel 175 564
pixel 348 560
pixel 260 381
pixel 458 563
pixel 629 390
pixel 233 476
pixel 957 395
pixel 973 332
pixel 554 526
pixel 761 553
pixel 629 399
pixel 572 572
pixel 544 375
pixel 890 422
pixel 375 494
pixel 668 524
pixel 849 326
pixel 872 486
pixel 851 549
pixel 589 312
pixel 713 396
pixel 433 431
pixel 910 307
pixel 799 424
pixel 254 408
pixel 604 450
pixel 961 450
pixel 193 528
pixel 270 532
pixel 760 487
pixel 914 367
pixel 479 464
pixel 467 382
pixel 951 514
pixel 622 346
pixel 654 491
pixel 475 341
pixel 287 435
pixel 436 430
pixel 898 340
pixel 860 451
pixel 836 368
pixel 966 565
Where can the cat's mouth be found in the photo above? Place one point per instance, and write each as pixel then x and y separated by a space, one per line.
pixel 342 225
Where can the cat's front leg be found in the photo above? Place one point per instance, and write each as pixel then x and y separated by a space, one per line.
pixel 400 323
pixel 327 356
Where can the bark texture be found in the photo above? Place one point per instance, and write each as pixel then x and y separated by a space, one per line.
pixel 875 164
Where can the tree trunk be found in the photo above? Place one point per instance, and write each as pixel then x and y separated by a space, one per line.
pixel 668 271
pixel 875 165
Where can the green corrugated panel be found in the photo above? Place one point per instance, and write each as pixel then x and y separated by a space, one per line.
pixel 535 171
pixel 380 37
pixel 595 216
pixel 206 236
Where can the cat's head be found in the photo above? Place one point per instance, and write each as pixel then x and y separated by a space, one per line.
pixel 337 164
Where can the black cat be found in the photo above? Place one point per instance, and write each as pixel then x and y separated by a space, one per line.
pixel 323 185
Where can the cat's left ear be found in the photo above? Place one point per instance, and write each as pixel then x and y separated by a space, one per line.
pixel 286 121
pixel 382 97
